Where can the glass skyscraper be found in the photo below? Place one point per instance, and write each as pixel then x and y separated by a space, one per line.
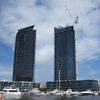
pixel 24 57
pixel 64 54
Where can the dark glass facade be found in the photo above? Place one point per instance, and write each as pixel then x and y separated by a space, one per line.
pixel 75 85
pixel 64 53
pixel 24 58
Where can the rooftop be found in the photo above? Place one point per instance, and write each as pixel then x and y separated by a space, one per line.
pixel 26 28
pixel 62 29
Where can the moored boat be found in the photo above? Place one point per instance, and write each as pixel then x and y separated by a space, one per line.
pixel 88 92
pixel 11 92
pixel 68 92
pixel 75 93
pixel 34 91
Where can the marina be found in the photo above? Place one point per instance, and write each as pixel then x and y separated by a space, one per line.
pixel 69 92
pixel 15 92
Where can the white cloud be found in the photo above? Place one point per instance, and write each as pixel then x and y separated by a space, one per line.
pixel 21 13
pixel 44 63
pixel 88 49
pixel 44 53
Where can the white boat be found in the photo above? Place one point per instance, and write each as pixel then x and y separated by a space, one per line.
pixel 34 91
pixel 53 92
pixel 56 92
pixel 99 93
pixel 11 92
pixel 68 92
pixel 88 92
pixel 96 93
pixel 59 93
pixel 75 93
pixel 42 94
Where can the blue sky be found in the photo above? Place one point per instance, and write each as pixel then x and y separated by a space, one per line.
pixel 45 15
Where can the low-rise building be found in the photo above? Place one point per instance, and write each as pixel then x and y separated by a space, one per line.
pixel 75 85
pixel 21 85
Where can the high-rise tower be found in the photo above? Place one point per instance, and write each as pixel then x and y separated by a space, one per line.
pixel 64 53
pixel 24 57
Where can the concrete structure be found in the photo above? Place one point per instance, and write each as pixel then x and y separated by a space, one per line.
pixel 64 53
pixel 24 58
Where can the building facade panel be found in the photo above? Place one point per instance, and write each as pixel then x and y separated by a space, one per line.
pixel 76 85
pixel 65 54
pixel 24 58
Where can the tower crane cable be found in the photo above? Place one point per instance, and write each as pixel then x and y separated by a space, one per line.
pixel 76 19
pixel 68 11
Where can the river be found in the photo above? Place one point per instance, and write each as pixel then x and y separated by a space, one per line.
pixel 53 98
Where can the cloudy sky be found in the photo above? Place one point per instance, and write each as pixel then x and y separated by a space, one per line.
pixel 45 15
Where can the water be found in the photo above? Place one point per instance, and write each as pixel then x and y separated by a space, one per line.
pixel 53 98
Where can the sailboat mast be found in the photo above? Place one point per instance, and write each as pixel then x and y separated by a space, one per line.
pixel 59 80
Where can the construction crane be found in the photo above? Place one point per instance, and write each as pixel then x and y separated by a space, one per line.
pixel 75 21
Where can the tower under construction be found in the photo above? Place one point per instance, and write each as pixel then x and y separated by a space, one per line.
pixel 64 53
